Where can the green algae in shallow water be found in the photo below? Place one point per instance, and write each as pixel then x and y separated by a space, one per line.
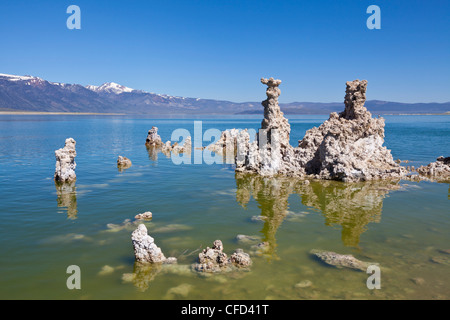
pixel 401 229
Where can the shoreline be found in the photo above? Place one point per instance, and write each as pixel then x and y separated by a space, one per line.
pixel 184 115
pixel 58 113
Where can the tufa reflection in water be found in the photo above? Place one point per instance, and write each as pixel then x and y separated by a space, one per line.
pixel 67 198
pixel 143 274
pixel 122 169
pixel 153 152
pixel 350 205
pixel 272 195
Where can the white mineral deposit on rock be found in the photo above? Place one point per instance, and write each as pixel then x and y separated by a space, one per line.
pixel 438 170
pixel 346 147
pixel 303 284
pixel 241 259
pixel 65 162
pixel 144 216
pixel 214 260
pixel 341 260
pixel 226 142
pixel 145 249
pixel 246 239
pixel 123 162
pixel 167 147
pixel 265 155
pixel 185 148
pixel 153 138
pixel 349 146
pixel 177 148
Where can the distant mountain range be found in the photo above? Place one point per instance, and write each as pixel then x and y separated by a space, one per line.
pixel 27 93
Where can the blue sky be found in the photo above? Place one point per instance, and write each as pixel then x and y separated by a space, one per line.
pixel 220 49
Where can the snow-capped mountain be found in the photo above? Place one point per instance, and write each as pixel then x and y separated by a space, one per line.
pixel 93 88
pixel 28 93
pixel 11 77
pixel 35 94
pixel 110 87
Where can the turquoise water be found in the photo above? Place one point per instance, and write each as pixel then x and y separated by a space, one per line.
pixel 402 225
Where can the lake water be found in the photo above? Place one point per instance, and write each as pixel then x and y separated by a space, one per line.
pixel 403 226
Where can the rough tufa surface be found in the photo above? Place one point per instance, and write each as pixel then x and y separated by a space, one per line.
pixel 145 249
pixel 65 162
pixel 144 216
pixel 226 142
pixel 439 170
pixel 214 260
pixel 346 147
pixel 273 116
pixel 153 138
pixel 186 148
pixel 341 260
pixel 241 259
pixel 266 154
pixel 349 146
pixel 123 162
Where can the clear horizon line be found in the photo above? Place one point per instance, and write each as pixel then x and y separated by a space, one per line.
pixel 216 99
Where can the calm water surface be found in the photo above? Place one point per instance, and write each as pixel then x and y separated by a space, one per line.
pixel 403 226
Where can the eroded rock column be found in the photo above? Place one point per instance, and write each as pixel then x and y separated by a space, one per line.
pixel 348 146
pixel 153 138
pixel 267 155
pixel 273 116
pixel 65 162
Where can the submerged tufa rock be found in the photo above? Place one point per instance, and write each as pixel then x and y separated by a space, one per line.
pixel 65 162
pixel 341 260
